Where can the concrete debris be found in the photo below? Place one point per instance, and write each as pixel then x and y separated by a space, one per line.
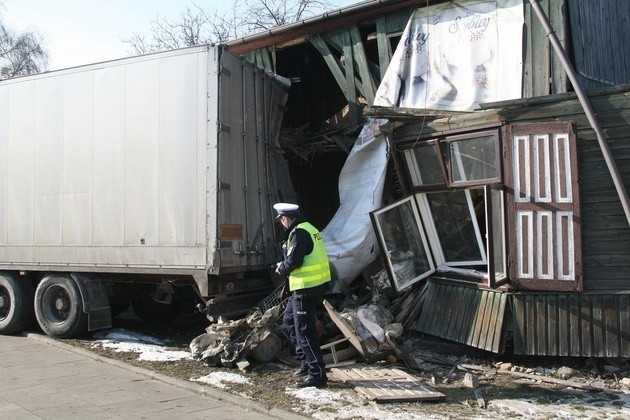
pixel 471 381
pixel 228 342
pixel 566 373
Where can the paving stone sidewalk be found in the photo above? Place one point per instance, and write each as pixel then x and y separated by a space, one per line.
pixel 41 378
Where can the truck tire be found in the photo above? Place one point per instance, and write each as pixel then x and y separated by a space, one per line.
pixel 154 312
pixel 59 307
pixel 16 304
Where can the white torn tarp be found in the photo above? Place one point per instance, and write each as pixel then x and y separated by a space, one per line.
pixel 349 237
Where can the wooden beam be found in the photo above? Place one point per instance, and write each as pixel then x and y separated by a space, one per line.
pixel 353 103
pixel 332 62
pixel 384 48
pixel 359 54
pixel 337 42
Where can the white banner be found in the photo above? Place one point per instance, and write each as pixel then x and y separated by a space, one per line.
pixel 455 55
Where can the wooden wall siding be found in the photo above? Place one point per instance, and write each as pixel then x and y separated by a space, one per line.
pixel 466 315
pixel 543 73
pixel 264 57
pixel 576 325
pixel 601 41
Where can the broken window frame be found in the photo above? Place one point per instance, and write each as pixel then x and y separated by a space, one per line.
pixel 494 260
pixel 384 238
pixel 492 248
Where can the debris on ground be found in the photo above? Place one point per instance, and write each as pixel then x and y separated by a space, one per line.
pixel 229 342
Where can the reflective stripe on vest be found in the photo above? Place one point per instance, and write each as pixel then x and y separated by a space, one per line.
pixel 315 269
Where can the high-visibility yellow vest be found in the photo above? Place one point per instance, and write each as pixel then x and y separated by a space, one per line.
pixel 315 269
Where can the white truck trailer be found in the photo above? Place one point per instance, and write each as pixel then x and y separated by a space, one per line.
pixel 147 180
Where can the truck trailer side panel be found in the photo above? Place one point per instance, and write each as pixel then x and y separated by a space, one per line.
pixel 161 163
pixel 105 164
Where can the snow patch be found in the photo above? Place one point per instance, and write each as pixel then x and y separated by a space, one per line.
pixel 323 404
pixel 149 348
pixel 577 409
pixel 216 379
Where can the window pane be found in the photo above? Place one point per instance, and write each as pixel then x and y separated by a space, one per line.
pixel 473 159
pixel 404 244
pixel 458 233
pixel 424 166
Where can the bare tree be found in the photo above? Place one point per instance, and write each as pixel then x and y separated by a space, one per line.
pixel 198 26
pixel 193 28
pixel 265 14
pixel 20 53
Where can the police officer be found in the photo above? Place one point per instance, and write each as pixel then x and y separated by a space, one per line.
pixel 305 263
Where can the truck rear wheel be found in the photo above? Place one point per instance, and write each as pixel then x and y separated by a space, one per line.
pixel 59 307
pixel 16 304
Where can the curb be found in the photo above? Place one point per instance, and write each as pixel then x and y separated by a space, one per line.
pixel 215 393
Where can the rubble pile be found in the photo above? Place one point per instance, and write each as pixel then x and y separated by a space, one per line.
pixel 227 342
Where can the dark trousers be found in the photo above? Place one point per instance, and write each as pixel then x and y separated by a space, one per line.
pixel 300 322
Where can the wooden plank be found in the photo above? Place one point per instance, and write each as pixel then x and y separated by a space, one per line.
pixel 337 41
pixel 469 303
pixel 540 327
pixel 532 324
pixel 528 66
pixel 489 321
pixel 518 323
pixel 351 89
pixel 586 322
pixel 384 49
pixel 498 316
pixel 332 62
pixel 455 312
pixel 359 56
pixel 346 330
pixel 558 16
pixel 477 336
pixel 387 385
pixel 599 347
pixel 435 307
pixel 611 323
pixel 574 325
pixel 564 331
pixel 541 53
pixel 498 338
pixel 552 325
pixel 624 325
pixel 422 320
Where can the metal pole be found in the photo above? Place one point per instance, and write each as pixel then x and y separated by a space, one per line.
pixel 592 119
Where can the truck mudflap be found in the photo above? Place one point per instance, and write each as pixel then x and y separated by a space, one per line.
pixel 95 302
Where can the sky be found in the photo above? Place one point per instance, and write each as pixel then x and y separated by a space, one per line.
pixel 78 32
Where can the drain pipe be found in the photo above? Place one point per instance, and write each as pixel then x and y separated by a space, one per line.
pixel 586 105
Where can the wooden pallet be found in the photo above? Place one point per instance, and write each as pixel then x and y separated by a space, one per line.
pixel 387 385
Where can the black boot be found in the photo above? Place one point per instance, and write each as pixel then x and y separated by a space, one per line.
pixel 312 381
pixel 302 371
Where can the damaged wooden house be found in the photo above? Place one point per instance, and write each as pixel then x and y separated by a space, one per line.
pixel 500 182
